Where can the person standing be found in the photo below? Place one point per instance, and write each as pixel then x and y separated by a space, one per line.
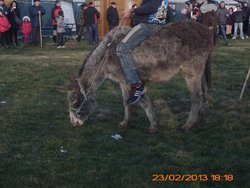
pixel 5 30
pixel 54 14
pixel 238 17
pixel 60 29
pixel 187 6
pixel 92 16
pixel 26 29
pixel 81 22
pixel 35 12
pixel 246 11
pixel 13 13
pixel 222 13
pixel 112 16
pixel 229 23
pixel 183 15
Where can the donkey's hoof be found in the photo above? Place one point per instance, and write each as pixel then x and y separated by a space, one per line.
pixel 185 128
pixel 153 130
pixel 123 125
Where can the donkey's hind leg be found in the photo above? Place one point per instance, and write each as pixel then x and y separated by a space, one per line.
pixel 127 112
pixel 194 83
pixel 147 106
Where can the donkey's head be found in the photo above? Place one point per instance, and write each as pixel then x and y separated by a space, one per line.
pixel 81 90
pixel 81 104
pixel 196 12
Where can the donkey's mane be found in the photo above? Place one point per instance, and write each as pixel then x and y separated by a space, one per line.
pixel 113 36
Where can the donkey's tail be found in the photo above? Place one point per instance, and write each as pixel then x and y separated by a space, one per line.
pixel 208 72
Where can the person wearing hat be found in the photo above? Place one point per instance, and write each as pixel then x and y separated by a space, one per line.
pixel 81 22
pixel 54 14
pixel 112 16
pixel 26 29
pixel 36 11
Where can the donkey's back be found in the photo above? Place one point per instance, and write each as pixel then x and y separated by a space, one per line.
pixel 182 45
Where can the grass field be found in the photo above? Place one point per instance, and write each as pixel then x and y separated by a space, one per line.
pixel 34 125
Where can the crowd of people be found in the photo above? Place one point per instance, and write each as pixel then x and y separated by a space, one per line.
pixel 31 25
pixel 230 22
pixel 11 22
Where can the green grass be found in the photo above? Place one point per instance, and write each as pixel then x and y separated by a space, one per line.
pixel 34 124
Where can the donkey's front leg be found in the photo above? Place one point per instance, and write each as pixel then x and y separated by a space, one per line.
pixel 127 112
pixel 147 106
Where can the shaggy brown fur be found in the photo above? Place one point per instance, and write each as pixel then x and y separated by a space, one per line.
pixel 184 45
pixel 209 19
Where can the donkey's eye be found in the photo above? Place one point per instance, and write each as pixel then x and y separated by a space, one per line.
pixel 74 98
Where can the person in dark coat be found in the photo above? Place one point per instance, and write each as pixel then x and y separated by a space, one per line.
pixel 4 35
pixel 81 22
pixel 92 16
pixel 229 23
pixel 35 11
pixel 183 15
pixel 246 11
pixel 171 16
pixel 13 12
pixel 187 6
pixel 112 16
pixel 238 17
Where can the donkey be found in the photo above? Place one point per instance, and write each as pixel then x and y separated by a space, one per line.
pixel 183 45
pixel 209 18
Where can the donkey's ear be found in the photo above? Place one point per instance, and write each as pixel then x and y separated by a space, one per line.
pixel 64 88
pixel 200 4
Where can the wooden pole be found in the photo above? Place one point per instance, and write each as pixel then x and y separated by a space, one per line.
pixel 244 86
pixel 40 28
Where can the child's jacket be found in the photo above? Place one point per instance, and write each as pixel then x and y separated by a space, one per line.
pixel 26 28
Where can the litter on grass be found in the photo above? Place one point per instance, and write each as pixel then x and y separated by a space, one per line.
pixel 62 150
pixel 117 137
